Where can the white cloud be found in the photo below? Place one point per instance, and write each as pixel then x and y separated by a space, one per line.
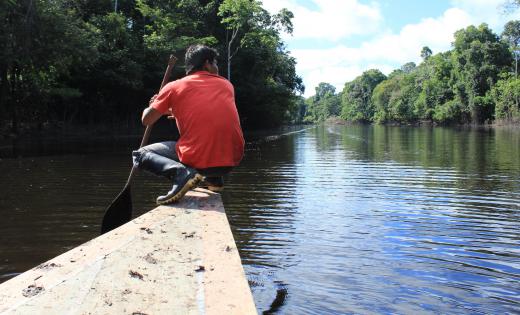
pixel 436 33
pixel 486 11
pixel 333 20
pixel 385 52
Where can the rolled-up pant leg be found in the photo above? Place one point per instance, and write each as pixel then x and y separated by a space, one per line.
pixel 160 159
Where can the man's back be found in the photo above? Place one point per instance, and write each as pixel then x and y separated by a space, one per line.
pixel 204 107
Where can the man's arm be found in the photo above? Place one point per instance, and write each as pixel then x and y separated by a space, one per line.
pixel 150 116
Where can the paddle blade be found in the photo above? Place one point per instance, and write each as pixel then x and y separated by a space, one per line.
pixel 119 212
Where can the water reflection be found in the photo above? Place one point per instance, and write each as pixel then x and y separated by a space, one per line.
pixel 331 220
pixel 381 220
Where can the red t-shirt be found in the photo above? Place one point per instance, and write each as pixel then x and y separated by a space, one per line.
pixel 204 107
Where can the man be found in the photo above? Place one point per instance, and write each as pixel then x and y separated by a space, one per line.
pixel 211 141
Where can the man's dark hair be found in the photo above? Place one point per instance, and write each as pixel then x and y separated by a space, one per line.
pixel 196 56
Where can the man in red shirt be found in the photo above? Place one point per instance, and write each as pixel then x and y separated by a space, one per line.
pixel 211 141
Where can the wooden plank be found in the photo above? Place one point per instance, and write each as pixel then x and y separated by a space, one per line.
pixel 179 259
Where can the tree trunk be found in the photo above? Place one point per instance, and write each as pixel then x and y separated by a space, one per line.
pixel 3 88
pixel 516 74
pixel 14 100
pixel 516 65
pixel 234 33
pixel 228 56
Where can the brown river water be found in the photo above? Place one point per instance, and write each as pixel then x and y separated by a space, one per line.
pixel 328 220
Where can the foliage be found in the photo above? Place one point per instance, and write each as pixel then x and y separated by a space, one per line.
pixel 393 99
pixel 511 35
pixel 433 86
pixel 80 62
pixel 298 110
pixel 472 83
pixel 324 104
pixel 426 52
pixel 408 67
pixel 479 57
pixel 356 101
pixel 506 94
pixel 32 69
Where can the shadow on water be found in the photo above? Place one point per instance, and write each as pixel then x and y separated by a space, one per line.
pixel 279 300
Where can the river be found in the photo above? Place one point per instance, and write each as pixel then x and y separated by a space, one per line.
pixel 328 220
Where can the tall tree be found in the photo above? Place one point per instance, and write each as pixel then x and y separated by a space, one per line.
pixel 323 89
pixel 41 42
pixel 506 94
pixel 408 67
pixel 66 61
pixel 237 15
pixel 479 56
pixel 426 52
pixel 356 100
pixel 511 34
pixel 433 85
pixel 246 19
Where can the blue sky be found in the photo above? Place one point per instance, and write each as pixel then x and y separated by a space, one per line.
pixel 334 41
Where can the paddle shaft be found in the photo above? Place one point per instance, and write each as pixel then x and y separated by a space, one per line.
pixel 148 129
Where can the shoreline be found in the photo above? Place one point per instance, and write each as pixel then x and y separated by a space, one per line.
pixel 499 124
pixel 167 130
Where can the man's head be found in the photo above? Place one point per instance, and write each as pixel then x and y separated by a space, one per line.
pixel 200 57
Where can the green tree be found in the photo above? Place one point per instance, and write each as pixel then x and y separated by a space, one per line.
pixel 237 15
pixel 426 53
pixel 356 100
pixel 41 42
pixel 408 67
pixel 381 99
pixel 394 98
pixel 324 104
pixel 266 79
pixel 479 57
pixel 173 25
pixel 81 62
pixel 323 90
pixel 511 35
pixel 298 110
pixel 506 94
pixel 247 17
pixel 433 85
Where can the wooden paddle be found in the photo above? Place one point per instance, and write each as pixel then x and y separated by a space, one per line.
pixel 119 211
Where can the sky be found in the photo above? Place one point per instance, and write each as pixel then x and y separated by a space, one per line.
pixel 335 41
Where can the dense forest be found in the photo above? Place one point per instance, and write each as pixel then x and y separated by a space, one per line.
pixel 91 63
pixel 476 82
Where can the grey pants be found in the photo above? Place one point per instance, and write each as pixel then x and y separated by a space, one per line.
pixel 161 159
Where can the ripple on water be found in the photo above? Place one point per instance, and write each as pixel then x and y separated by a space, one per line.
pixel 351 235
pixel 332 220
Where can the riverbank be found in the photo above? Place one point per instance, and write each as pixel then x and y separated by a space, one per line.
pixel 496 124
pixel 99 138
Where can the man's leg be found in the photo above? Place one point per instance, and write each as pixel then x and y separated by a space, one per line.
pixel 213 178
pixel 161 159
pixel 213 183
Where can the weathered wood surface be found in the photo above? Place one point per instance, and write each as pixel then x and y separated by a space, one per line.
pixel 178 259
